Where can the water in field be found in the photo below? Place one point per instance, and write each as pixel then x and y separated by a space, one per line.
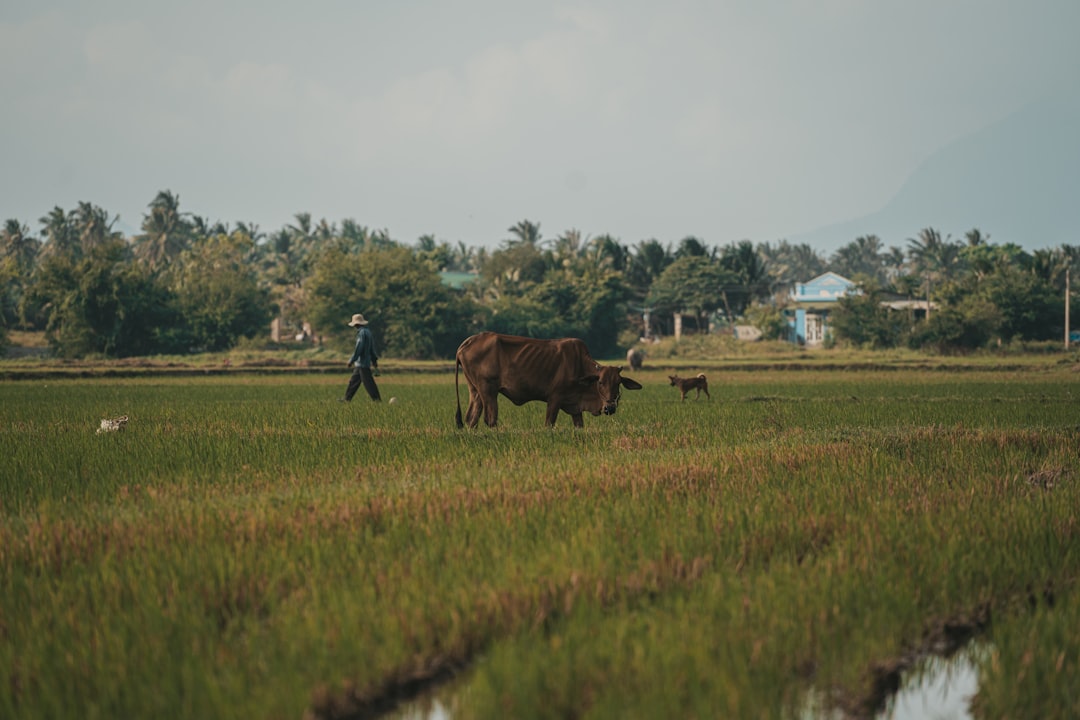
pixel 436 703
pixel 938 688
pixel 427 709
pixel 935 688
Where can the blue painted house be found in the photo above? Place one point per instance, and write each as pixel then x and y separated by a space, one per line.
pixel 810 304
pixel 457 280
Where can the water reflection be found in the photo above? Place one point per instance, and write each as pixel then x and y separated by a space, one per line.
pixel 425 709
pixel 938 688
pixel 440 702
pixel 935 688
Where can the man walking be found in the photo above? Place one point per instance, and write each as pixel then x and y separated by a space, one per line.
pixel 362 361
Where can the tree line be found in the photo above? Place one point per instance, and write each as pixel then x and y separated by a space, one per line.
pixel 186 285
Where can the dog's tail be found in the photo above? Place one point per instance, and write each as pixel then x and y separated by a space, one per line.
pixel 701 376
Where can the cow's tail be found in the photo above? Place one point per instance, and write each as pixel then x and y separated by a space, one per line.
pixel 457 393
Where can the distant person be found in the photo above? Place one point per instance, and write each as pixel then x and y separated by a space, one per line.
pixel 363 361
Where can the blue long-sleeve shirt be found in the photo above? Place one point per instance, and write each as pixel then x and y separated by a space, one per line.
pixel 364 354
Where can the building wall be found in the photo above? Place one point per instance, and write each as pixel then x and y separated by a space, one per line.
pixel 798 327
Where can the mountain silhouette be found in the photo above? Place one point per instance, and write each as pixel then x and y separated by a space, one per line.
pixel 1016 181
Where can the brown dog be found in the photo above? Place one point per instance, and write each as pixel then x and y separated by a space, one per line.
pixel 685 385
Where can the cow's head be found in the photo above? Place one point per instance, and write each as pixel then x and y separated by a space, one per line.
pixel 609 383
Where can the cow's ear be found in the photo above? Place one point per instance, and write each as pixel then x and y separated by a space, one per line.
pixel 588 380
pixel 630 384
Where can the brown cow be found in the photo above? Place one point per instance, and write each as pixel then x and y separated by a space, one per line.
pixel 558 372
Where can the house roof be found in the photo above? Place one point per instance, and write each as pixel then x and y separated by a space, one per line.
pixel 827 287
pixel 812 305
pixel 909 304
pixel 456 280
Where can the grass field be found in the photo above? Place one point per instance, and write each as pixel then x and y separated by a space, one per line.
pixel 250 548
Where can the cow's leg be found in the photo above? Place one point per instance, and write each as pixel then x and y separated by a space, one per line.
pixel 476 406
pixel 553 414
pixel 578 422
pixel 490 396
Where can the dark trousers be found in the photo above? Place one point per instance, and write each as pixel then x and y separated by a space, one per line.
pixel 362 376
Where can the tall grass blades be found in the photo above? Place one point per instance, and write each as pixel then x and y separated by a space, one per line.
pixel 249 547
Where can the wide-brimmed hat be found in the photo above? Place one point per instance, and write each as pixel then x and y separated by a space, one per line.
pixel 357 320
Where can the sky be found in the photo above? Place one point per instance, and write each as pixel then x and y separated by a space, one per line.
pixel 724 120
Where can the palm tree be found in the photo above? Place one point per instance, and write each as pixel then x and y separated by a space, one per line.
pixel 806 261
pixel 381 239
pixel 354 237
pixel 749 269
pixel 860 257
pixel 295 246
pixel 893 261
pixel 93 226
pixel 17 243
pixel 166 231
pixel 1051 265
pixel 251 230
pixel 648 260
pixel 201 228
pixel 525 232
pixel 932 258
pixel 286 258
pixel 463 258
pixel 929 253
pixel 1072 257
pixel 426 243
pixel 692 247
pixel 301 232
pixel 790 264
pixel 61 240
pixel 439 254
pixel 975 237
pixel 608 252
pixel 568 248
pixel 325 231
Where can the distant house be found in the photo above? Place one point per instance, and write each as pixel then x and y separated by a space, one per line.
pixel 810 305
pixel 916 308
pixel 456 280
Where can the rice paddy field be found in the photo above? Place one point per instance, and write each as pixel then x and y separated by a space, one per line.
pixel 248 547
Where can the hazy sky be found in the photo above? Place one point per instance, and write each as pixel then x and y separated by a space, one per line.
pixel 722 119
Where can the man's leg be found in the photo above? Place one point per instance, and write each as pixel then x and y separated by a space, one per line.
pixel 369 384
pixel 354 384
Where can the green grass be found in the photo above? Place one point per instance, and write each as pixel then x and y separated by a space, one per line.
pixel 249 547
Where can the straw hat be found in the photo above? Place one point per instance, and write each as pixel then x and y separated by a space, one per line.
pixel 357 320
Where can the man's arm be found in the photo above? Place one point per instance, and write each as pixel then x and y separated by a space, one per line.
pixel 356 351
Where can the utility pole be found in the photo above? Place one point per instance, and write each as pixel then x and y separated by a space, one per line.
pixel 1066 309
